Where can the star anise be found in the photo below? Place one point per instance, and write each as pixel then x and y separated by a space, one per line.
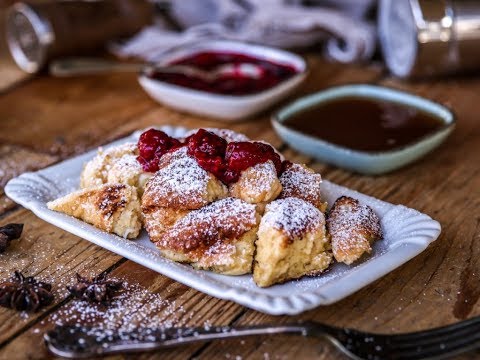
pixel 8 233
pixel 25 293
pixel 98 289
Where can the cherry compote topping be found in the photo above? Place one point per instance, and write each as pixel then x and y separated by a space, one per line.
pixel 241 155
pixel 234 83
pixel 152 145
pixel 224 160
pixel 209 151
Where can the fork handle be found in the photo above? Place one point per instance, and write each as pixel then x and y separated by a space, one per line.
pixel 71 341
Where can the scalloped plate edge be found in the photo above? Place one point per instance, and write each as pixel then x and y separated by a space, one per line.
pixel 423 231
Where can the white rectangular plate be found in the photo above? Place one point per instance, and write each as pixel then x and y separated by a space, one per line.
pixel 407 233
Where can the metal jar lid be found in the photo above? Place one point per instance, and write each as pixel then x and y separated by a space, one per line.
pixel 41 30
pixel 29 36
pixel 429 37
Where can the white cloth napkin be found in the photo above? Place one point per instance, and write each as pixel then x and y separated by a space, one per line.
pixel 339 24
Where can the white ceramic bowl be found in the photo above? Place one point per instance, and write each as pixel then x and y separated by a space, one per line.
pixel 375 162
pixel 224 107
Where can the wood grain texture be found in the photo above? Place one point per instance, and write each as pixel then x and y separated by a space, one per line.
pixel 55 118
pixel 51 254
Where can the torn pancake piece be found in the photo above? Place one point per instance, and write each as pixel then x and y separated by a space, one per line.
pixel 291 242
pixel 353 227
pixel 219 237
pixel 114 208
pixel 302 182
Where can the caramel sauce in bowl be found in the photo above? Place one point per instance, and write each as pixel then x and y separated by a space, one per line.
pixel 364 128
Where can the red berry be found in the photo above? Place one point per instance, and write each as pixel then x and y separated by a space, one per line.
pixel 148 165
pixel 208 150
pixel 242 155
pixel 205 143
pixel 152 145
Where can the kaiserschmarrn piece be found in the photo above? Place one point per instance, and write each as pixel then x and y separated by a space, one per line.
pixel 353 227
pixel 115 165
pixel 218 237
pixel 114 208
pixel 258 184
pixel 181 184
pixel 302 182
pixel 220 202
pixel 292 242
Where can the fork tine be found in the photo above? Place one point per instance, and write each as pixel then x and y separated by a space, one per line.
pixel 447 334
pixel 435 343
pixel 437 350
pixel 448 329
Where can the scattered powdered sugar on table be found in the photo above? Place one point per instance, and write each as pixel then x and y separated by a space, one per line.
pixel 292 216
pixel 135 307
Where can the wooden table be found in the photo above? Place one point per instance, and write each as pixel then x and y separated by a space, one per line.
pixel 45 120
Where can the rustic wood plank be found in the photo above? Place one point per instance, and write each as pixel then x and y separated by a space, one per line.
pixel 438 287
pixel 441 274
pixel 86 113
pixel 15 160
pixel 49 253
pixel 64 116
pixel 179 304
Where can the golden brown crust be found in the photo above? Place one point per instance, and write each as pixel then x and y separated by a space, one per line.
pixel 353 227
pixel 218 236
pixel 222 221
pixel 301 182
pixel 158 220
pixel 111 207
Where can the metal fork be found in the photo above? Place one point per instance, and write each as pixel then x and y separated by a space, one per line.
pixel 439 343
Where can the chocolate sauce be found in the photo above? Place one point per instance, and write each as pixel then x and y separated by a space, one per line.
pixel 365 124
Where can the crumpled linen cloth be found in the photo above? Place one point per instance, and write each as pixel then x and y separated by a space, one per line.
pixel 339 24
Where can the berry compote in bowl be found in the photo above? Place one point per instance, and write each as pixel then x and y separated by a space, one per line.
pixel 234 95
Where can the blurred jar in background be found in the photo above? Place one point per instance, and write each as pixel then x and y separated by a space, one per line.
pixel 430 37
pixel 39 31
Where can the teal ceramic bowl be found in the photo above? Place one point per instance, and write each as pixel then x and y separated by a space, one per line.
pixel 360 161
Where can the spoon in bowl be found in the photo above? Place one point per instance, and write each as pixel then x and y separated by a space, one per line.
pixel 86 66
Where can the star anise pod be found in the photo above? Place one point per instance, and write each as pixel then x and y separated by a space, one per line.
pixel 23 293
pixel 98 289
pixel 8 233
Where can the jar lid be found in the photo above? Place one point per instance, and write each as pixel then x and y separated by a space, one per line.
pixel 28 37
pixel 417 37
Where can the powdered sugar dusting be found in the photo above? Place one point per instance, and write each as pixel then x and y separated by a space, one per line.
pixel 135 307
pixel 125 170
pixel 98 170
pixel 218 222
pixel 292 216
pixel 181 182
pixel 264 171
pixel 257 184
pixel 297 181
pixel 351 224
